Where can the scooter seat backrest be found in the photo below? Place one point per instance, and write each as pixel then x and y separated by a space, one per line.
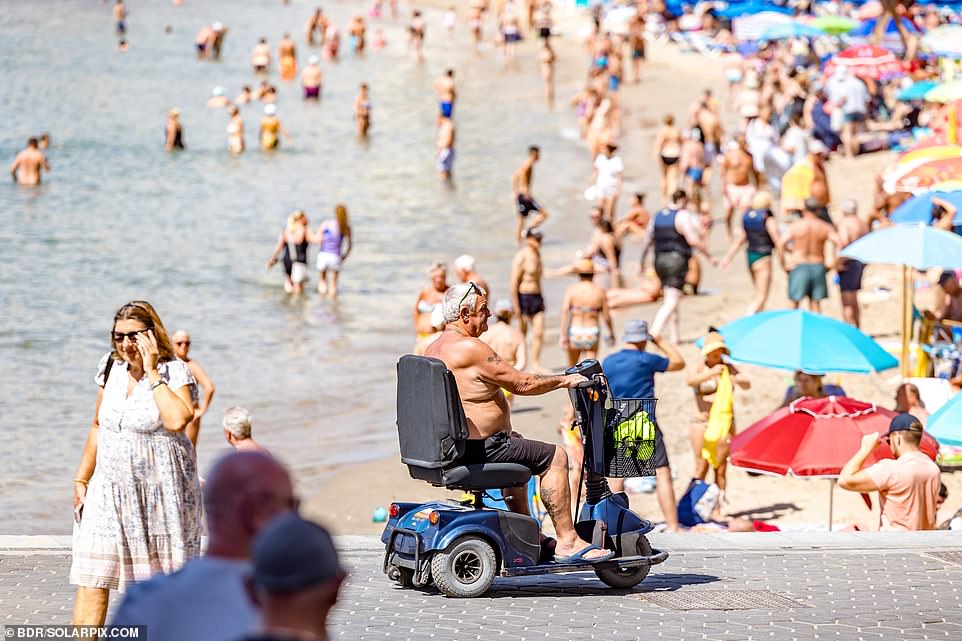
pixel 430 419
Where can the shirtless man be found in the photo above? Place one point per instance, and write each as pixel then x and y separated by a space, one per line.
pixel 29 164
pixel 120 17
pixel 481 375
pixel 203 41
pixel 636 42
pixel 416 32
pixel 635 221
pixel 445 146
pixel 521 186
pixel 316 24
pixel 444 88
pixel 948 298
pixel 261 56
pixel 740 180
pixel 850 229
pixel 237 431
pixel 312 78
pixel 526 295
pixel 803 256
pixel 466 269
pixel 181 341
pixel 705 116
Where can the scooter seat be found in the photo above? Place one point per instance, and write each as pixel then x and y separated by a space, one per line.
pixel 472 478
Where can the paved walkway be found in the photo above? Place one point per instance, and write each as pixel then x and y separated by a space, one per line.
pixel 720 587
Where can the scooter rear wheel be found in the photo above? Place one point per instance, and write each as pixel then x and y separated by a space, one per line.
pixel 466 568
pixel 625 578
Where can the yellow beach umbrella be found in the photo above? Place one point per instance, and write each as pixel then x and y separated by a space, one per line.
pixel 945 92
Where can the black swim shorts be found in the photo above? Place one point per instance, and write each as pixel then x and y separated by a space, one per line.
pixel 531 304
pixel 509 448
pixel 527 205
pixel 850 276
pixel 672 268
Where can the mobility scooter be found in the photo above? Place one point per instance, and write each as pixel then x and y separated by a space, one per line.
pixel 461 546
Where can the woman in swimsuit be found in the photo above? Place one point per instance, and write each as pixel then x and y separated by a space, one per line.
pixel 270 128
pixel 758 231
pixel 174 131
pixel 428 320
pixel 235 131
pixel 362 111
pixel 704 383
pixel 292 244
pixel 333 235
pixel 668 151
pixel 581 313
pixel 357 29
pixel 546 58
pixel 604 250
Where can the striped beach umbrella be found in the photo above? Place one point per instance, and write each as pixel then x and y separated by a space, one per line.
pixel 867 61
pixel 752 26
pixel 945 41
pixel 926 176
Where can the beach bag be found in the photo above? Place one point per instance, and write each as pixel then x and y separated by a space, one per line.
pixel 720 418
pixel 698 503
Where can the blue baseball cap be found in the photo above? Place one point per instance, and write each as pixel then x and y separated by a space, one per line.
pixel 905 422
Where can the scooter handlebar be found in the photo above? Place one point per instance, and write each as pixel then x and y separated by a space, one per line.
pixel 585 384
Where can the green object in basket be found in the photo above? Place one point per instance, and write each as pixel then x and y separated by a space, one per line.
pixel 639 427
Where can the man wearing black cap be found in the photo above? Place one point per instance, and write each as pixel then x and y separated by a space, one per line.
pixel 908 486
pixel 631 374
pixel 296 579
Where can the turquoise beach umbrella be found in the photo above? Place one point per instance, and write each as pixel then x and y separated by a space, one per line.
pixel 788 30
pixel 946 423
pixel 916 91
pixel 918 209
pixel 800 340
pixel 916 245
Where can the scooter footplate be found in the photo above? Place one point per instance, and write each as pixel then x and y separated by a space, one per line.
pixel 656 557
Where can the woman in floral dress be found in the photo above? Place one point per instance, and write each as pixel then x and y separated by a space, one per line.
pixel 137 501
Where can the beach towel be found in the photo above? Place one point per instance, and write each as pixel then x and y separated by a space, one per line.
pixel 720 418
pixel 698 503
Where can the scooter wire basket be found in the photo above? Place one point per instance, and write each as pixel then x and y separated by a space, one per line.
pixel 630 438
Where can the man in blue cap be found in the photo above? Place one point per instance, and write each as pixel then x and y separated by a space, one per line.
pixel 908 486
pixel 631 374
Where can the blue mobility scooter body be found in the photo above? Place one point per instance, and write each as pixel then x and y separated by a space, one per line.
pixel 461 546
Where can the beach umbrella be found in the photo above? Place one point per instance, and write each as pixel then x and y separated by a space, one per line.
pixel 814 438
pixel 890 36
pixel 800 340
pixel 738 9
pixel 946 423
pixel 915 91
pixel 834 25
pixel 752 26
pixel 914 158
pixel 918 209
pixel 945 92
pixel 918 246
pixel 945 40
pixel 924 176
pixel 867 61
pixel 789 30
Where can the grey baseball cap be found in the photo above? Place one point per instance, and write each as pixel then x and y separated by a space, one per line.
pixel 636 331
pixel 292 553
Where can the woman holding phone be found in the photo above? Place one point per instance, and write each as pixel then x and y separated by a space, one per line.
pixel 137 500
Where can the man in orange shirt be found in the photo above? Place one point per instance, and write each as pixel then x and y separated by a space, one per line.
pixel 908 486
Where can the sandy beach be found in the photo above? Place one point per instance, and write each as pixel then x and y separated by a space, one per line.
pixel 671 80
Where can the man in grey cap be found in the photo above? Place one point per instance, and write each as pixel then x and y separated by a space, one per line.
pixel 296 579
pixel 850 229
pixel 505 339
pixel 631 374
pixel 908 486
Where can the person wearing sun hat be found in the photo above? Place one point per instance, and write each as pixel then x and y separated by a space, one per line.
pixel 714 381
pixel 270 128
pixel 908 485
pixel 585 306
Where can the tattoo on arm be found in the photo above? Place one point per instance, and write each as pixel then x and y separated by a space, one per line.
pixel 494 358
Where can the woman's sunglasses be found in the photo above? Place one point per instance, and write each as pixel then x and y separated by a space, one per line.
pixel 132 336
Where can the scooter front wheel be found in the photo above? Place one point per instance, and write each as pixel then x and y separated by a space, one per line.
pixel 625 578
pixel 466 568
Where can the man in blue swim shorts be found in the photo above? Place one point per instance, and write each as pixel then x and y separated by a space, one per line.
pixel 444 88
pixel 803 246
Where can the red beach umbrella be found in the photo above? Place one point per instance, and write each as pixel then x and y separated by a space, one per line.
pixel 815 437
pixel 867 61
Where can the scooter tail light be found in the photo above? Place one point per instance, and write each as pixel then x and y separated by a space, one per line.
pixel 394 511
pixel 434 517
